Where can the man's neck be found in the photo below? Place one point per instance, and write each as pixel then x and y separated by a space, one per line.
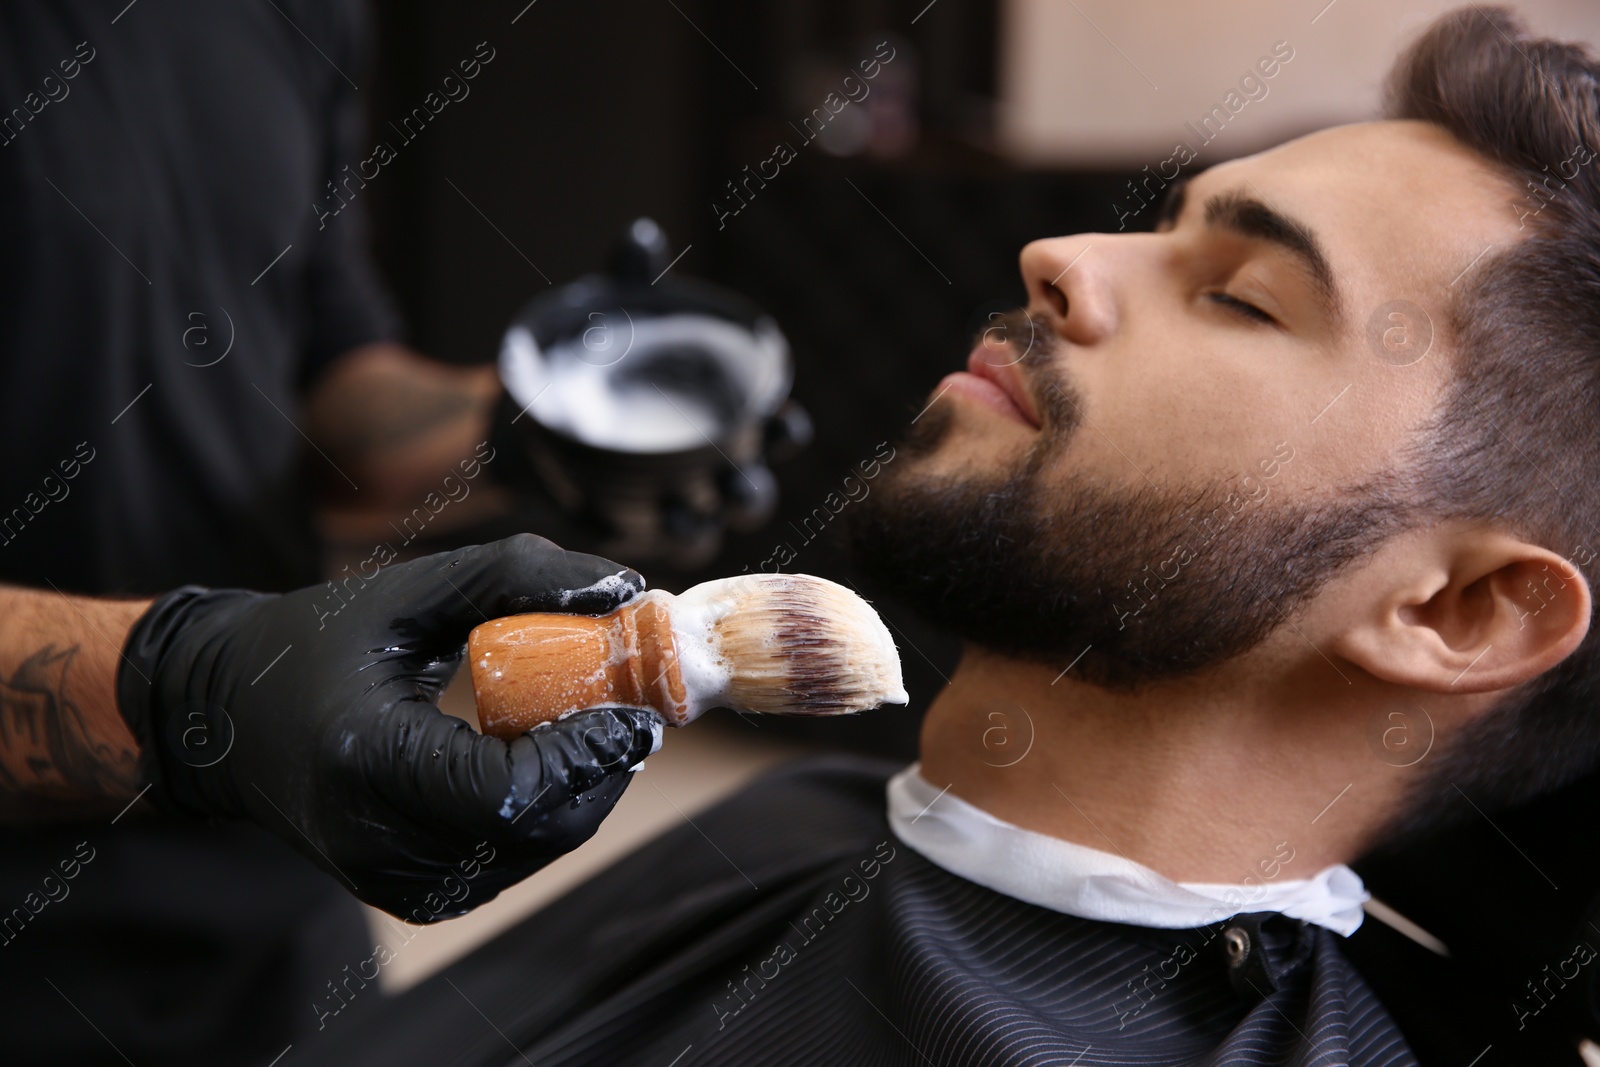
pixel 1204 781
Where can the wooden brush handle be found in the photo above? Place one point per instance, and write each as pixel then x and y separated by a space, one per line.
pixel 530 669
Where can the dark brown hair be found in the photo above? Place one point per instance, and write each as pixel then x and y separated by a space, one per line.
pixel 1516 440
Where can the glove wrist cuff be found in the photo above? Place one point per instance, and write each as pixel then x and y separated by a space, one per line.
pixel 181 734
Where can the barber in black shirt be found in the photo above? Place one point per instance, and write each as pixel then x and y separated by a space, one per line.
pixel 178 322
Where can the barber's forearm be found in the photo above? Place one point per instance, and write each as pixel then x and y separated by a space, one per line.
pixel 65 751
pixel 394 422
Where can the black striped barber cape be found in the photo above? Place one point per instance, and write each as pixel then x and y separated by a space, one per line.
pixel 788 926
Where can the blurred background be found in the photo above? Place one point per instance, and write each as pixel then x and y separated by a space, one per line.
pixel 880 246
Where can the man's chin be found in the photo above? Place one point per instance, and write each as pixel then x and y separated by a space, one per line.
pixel 929 432
pixel 955 441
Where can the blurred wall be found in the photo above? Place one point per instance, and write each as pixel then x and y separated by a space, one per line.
pixel 1113 82
pixel 586 117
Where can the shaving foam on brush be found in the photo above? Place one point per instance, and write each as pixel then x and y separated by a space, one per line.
pixel 778 644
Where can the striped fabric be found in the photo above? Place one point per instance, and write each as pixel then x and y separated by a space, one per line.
pixel 789 927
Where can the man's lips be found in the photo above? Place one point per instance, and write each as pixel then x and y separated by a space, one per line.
pixel 998 386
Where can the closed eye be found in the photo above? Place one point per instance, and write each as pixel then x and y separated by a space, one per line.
pixel 1242 308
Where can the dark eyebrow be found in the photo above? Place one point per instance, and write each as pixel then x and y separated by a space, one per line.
pixel 1172 203
pixel 1254 219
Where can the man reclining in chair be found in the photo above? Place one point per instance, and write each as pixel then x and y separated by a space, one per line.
pixel 1222 502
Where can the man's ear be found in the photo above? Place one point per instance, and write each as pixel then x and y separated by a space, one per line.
pixel 1468 611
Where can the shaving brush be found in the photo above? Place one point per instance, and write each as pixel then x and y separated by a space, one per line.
pixel 777 644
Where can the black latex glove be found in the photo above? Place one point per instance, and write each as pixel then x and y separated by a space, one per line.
pixel 313 715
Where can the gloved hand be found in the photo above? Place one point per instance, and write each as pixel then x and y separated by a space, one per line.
pixel 312 713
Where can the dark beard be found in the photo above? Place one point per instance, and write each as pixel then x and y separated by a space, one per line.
pixel 1125 586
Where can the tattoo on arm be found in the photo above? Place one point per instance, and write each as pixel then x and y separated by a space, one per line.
pixel 50 761
pixel 389 410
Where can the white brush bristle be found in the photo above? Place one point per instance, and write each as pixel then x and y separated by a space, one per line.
pixel 796 644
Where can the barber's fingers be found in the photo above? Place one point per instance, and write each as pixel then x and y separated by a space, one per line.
pixel 567 758
pixel 432 603
pixel 455 887
pixel 440 772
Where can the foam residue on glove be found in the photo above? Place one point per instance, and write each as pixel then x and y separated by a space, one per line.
pixel 616 585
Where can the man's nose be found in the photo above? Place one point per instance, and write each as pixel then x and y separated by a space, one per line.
pixel 1069 281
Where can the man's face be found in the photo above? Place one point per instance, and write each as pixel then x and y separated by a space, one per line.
pixel 1190 431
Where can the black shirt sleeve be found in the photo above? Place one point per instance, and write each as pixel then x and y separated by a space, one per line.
pixel 347 301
